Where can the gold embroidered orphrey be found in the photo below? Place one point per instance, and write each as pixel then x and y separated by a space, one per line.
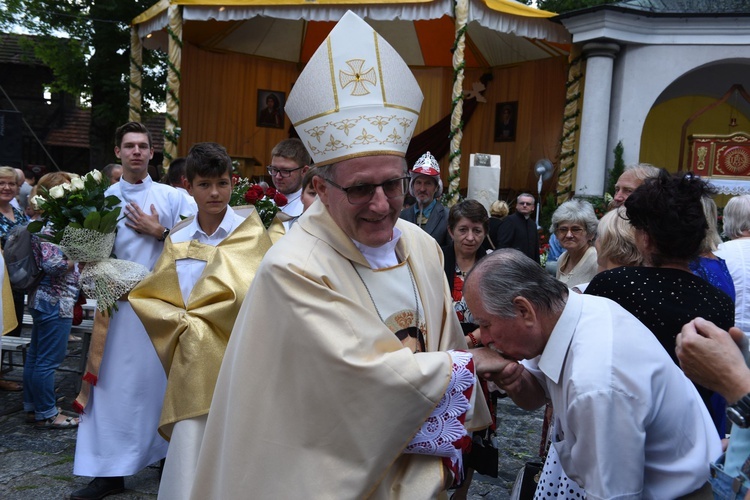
pixel 357 77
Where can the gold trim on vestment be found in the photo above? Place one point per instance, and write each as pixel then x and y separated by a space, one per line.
pixel 190 340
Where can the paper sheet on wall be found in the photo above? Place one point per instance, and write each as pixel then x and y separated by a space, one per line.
pixel 484 178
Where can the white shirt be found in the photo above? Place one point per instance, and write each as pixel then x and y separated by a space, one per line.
pixel 189 271
pixel 293 206
pixel 382 256
pixel 629 424
pixel 736 253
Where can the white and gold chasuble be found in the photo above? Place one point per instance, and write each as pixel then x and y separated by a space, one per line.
pixel 399 307
pixel 316 396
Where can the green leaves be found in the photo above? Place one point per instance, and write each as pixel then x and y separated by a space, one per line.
pixel 35 226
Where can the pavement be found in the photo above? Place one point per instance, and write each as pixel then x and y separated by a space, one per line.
pixel 38 464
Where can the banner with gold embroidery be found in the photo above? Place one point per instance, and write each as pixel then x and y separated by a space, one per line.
pixel 723 160
pixel 720 156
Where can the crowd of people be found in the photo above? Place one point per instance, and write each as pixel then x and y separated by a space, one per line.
pixel 365 346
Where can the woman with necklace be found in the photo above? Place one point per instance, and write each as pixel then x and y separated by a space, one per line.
pixel 467 226
pixel 574 223
pixel 10 216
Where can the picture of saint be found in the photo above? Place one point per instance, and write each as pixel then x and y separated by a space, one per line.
pixel 270 109
pixel 505 121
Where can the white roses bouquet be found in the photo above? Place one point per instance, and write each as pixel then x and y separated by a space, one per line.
pixel 82 220
pixel 80 204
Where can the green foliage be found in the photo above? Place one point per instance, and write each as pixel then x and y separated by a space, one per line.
pixel 599 204
pixel 66 59
pixel 86 43
pixel 560 6
pixel 617 169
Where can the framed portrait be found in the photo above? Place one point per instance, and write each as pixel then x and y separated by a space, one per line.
pixel 271 108
pixel 506 114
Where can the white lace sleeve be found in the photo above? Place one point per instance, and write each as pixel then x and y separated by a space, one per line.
pixel 443 434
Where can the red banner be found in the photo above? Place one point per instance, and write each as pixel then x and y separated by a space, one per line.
pixel 721 156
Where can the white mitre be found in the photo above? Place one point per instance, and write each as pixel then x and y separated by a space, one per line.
pixel 356 97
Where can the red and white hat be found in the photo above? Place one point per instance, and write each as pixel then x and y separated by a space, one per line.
pixel 426 165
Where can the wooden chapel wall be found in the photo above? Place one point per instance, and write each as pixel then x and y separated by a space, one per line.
pixel 539 88
pixel 219 103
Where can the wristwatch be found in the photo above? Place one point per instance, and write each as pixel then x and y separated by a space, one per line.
pixel 164 234
pixel 739 412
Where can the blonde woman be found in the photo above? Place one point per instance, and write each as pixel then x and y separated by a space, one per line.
pixel 615 242
pixel 498 211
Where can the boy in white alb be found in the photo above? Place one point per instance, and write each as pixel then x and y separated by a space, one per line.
pixel 189 303
pixel 117 436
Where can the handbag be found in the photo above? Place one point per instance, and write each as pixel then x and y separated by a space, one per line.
pixel 526 481
pixel 483 455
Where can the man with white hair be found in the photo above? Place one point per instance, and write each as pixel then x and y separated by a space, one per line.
pixel 345 350
pixel 630 179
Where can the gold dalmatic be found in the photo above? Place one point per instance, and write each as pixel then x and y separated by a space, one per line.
pixel 191 341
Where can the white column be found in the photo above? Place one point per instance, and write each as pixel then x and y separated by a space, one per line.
pixel 592 150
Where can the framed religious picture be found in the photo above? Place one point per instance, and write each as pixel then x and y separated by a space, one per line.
pixel 506 114
pixel 271 108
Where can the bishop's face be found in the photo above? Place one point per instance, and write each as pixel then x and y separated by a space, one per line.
pixel 369 223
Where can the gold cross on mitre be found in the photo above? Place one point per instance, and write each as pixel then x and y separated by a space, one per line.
pixel 358 77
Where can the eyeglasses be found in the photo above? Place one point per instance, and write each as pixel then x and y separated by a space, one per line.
pixel 272 171
pixel 359 194
pixel 7 184
pixel 562 230
pixel 525 203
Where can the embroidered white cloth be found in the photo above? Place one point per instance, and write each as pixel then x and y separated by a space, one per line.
pixel 442 431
